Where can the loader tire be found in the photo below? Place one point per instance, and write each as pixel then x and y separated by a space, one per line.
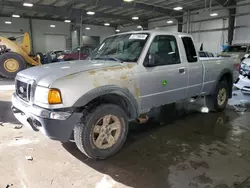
pixel 10 64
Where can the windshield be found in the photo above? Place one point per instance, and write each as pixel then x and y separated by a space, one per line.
pixel 236 48
pixel 126 47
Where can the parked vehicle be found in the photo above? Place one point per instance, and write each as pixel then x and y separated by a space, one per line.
pixel 203 54
pixel 92 101
pixel 245 66
pixel 15 55
pixel 243 82
pixel 237 51
pixel 52 56
pixel 79 53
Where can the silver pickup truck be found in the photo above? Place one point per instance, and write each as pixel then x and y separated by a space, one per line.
pixel 92 101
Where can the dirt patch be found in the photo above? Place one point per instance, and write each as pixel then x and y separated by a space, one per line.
pixel 203 179
pixel 222 186
pixel 197 165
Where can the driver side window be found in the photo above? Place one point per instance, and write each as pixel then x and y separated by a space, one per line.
pixel 165 48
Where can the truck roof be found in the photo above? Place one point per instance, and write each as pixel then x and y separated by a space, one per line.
pixel 158 32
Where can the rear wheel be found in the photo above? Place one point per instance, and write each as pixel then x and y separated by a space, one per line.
pixel 218 101
pixel 102 131
pixel 10 64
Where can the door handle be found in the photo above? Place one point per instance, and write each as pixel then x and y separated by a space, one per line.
pixel 182 70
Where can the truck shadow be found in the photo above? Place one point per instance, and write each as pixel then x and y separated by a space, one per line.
pixel 6 115
pixel 152 148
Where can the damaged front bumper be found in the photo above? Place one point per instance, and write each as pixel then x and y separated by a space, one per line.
pixel 57 125
pixel 243 83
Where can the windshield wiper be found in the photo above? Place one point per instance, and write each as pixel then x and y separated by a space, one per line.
pixel 108 57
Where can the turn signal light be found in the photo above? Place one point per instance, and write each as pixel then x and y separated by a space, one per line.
pixel 54 96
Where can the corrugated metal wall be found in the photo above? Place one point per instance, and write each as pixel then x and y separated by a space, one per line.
pixel 211 31
pixel 242 22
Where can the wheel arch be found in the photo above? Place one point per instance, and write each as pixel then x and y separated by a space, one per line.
pixel 111 94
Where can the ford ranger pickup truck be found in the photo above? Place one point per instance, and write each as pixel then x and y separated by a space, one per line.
pixel 91 102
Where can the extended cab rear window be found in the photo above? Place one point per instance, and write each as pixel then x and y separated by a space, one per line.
pixel 190 49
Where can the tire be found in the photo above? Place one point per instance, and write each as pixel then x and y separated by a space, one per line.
pixel 213 102
pixel 85 135
pixel 10 64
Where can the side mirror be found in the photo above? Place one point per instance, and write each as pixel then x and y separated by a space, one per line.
pixel 152 60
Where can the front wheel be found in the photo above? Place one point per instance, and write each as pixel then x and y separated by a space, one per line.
pixel 102 131
pixel 218 101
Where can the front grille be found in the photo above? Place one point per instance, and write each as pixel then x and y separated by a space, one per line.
pixel 23 90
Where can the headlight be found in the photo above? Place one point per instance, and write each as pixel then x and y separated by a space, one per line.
pixel 41 95
pixel 245 67
pixel 48 96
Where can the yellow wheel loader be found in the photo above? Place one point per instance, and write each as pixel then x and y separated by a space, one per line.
pixel 16 56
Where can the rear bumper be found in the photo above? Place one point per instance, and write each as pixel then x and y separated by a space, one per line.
pixel 39 120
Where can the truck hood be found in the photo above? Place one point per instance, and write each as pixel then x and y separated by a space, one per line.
pixel 45 75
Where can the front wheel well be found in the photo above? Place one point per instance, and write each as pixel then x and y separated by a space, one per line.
pixel 229 79
pixel 119 100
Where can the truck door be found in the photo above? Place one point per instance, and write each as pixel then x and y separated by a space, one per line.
pixel 167 81
pixel 195 68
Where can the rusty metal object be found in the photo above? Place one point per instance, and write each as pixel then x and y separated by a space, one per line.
pixel 142 119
